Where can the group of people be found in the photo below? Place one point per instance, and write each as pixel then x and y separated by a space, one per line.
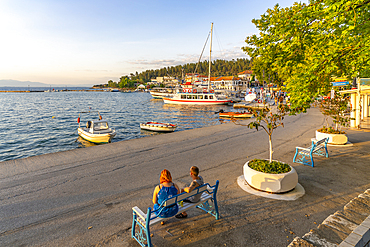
pixel 167 189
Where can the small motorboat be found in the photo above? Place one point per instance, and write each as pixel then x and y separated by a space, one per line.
pixel 244 114
pixel 97 131
pixel 160 127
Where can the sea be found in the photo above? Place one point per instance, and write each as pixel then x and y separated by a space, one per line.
pixel 44 120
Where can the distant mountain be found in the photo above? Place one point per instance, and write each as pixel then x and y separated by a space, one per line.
pixel 15 83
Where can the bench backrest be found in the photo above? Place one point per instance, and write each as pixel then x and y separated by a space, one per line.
pixel 316 146
pixel 177 198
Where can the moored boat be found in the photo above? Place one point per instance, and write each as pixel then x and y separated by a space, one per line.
pixel 97 131
pixel 160 93
pixel 191 96
pixel 196 98
pixel 160 127
pixel 244 114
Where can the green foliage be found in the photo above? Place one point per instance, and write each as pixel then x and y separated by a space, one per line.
pixel 268 120
pixel 219 68
pixel 306 44
pixel 330 130
pixel 265 166
pixel 337 108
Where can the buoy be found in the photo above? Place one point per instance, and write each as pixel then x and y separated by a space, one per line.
pixel 78 120
pixel 53 117
pixel 100 118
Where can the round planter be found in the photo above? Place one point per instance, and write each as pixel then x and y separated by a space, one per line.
pixel 337 139
pixel 275 183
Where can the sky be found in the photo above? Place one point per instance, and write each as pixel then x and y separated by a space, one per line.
pixel 89 42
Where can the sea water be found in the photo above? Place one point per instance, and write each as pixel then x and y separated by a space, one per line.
pixel 46 122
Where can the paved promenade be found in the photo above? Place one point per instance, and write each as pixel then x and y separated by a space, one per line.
pixel 84 197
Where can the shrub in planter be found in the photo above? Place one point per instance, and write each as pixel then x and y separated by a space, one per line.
pixel 269 175
pixel 274 167
pixel 274 177
pixel 337 109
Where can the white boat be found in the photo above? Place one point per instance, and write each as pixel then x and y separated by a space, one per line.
pixel 160 127
pixel 196 98
pixel 191 96
pixel 97 131
pixel 160 93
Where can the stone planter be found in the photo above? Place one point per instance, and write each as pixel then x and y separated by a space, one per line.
pixel 275 183
pixel 337 139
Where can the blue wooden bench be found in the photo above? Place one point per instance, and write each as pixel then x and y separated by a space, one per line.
pixel 305 155
pixel 141 222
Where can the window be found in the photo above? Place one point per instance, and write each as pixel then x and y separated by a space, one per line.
pixel 205 96
pixel 183 96
pixel 200 96
pixel 211 97
pixel 194 97
pixel 188 96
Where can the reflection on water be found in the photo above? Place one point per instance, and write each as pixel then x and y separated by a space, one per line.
pixel 84 143
pixel 40 123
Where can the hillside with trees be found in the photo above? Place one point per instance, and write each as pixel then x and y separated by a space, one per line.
pixel 218 68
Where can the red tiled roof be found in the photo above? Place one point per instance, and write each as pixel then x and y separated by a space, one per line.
pixel 227 78
pixel 246 72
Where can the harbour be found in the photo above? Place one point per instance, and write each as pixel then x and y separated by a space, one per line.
pixel 40 123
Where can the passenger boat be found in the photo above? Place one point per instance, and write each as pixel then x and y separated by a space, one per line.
pixel 191 96
pixel 244 114
pixel 96 131
pixel 196 98
pixel 160 127
pixel 160 93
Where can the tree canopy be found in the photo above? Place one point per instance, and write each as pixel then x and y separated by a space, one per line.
pixel 303 46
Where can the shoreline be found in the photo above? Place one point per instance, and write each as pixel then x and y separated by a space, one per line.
pixel 53 199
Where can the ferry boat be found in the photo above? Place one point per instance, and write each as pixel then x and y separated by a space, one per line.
pixel 160 127
pixel 97 131
pixel 196 98
pixel 191 96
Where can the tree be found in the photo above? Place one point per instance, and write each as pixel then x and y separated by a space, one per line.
pixel 337 108
pixel 268 121
pixel 303 46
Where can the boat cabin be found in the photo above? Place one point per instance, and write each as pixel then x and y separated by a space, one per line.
pixel 100 126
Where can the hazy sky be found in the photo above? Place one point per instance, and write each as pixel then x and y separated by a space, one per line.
pixel 72 42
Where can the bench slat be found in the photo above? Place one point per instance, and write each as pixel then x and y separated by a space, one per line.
pixel 185 207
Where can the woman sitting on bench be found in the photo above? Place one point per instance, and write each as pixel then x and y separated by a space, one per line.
pixel 164 190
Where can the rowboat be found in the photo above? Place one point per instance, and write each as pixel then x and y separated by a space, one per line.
pixel 235 114
pixel 160 127
pixel 96 131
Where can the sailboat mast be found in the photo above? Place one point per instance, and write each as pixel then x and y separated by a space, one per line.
pixel 210 52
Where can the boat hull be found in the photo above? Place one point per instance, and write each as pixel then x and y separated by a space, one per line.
pixel 195 102
pixel 235 115
pixel 159 127
pixel 96 138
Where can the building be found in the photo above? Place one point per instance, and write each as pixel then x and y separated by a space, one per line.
pixel 360 100
pixel 246 75
pixel 229 83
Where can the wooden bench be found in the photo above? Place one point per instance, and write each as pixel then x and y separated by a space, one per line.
pixel 141 222
pixel 317 148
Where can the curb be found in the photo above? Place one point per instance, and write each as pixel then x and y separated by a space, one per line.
pixel 347 228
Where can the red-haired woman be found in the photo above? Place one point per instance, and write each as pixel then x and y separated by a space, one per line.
pixel 164 190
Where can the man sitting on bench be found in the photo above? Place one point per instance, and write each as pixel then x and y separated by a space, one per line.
pixel 197 181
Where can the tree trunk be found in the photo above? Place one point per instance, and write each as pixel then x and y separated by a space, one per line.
pixel 270 142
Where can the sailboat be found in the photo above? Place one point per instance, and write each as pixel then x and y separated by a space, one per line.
pixel 193 96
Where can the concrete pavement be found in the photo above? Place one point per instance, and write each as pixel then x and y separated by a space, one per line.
pixel 84 197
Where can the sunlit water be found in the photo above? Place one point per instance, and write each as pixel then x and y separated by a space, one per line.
pixel 40 122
